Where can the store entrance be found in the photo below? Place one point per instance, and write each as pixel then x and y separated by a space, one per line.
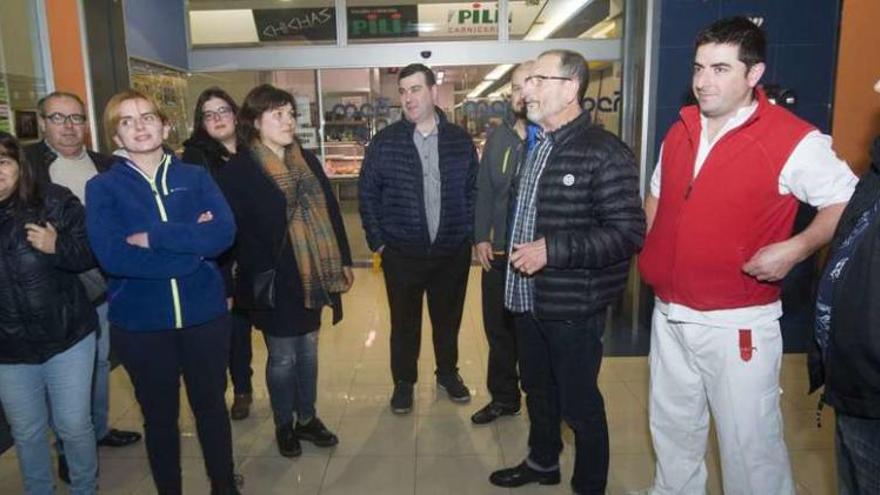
pixel 340 110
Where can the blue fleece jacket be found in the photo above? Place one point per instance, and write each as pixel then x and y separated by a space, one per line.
pixel 175 282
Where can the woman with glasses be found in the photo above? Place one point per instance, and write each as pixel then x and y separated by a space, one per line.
pixel 156 225
pixel 212 143
pixel 290 228
pixel 47 324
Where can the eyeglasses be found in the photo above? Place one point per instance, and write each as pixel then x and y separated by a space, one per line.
pixel 539 79
pixel 220 113
pixel 147 119
pixel 59 118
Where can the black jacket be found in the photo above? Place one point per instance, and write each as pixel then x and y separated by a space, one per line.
pixel 44 309
pixel 392 200
pixel 40 156
pixel 502 155
pixel 260 210
pixel 590 214
pixel 213 156
pixel 851 369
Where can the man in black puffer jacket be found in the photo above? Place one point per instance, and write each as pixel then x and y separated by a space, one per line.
pixel 417 208
pixel 577 222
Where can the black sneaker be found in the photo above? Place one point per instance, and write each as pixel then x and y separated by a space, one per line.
pixel 314 431
pixel 493 411
pixel 288 444
pixel 454 387
pixel 402 398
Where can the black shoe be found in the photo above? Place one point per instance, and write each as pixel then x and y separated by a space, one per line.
pixel 493 411
pixel 230 487
pixel 454 387
pixel 241 406
pixel 288 444
pixel 63 470
pixel 314 431
pixel 523 475
pixel 119 438
pixel 402 398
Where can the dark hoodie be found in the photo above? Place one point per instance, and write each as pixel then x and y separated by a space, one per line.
pixel 502 155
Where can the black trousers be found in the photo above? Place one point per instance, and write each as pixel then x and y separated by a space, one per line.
pixel 407 280
pixel 240 353
pixel 155 362
pixel 559 362
pixel 502 376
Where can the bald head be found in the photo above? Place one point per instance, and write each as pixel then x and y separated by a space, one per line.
pixel 517 82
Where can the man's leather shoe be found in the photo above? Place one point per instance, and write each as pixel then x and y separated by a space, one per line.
pixel 493 411
pixel 119 438
pixel 241 406
pixel 523 475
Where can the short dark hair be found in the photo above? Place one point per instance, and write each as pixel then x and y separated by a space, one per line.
pixel 41 104
pixel 260 99
pixel 413 69
pixel 27 191
pixel 574 65
pixel 738 31
pixel 199 133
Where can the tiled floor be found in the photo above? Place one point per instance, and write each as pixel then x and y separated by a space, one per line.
pixel 435 450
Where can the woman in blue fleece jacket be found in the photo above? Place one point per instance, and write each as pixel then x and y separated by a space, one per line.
pixel 155 225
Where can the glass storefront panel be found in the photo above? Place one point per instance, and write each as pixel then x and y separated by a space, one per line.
pixel 304 22
pixel 536 20
pixel 22 76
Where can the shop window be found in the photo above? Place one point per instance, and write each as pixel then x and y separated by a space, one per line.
pixel 22 77
pixel 213 23
pixel 408 20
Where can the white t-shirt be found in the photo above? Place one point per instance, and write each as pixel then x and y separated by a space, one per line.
pixel 813 174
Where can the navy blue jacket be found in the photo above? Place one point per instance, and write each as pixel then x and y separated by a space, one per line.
pixel 174 283
pixel 392 203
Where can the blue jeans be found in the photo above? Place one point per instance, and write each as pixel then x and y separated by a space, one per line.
pixel 857 448
pixel 292 376
pixel 67 380
pixel 100 382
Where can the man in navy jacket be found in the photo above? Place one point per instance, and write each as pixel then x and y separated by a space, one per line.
pixel 416 205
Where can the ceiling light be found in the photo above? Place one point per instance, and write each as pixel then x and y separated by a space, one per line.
pixel 483 86
pixel 498 72
pixel 555 14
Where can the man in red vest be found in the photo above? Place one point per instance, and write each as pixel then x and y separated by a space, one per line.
pixel 720 214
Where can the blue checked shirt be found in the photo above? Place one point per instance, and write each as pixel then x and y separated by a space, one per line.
pixel 519 290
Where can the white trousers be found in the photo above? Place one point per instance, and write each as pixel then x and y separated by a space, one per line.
pixel 695 368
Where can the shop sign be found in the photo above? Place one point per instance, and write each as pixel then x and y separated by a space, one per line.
pixel 383 22
pixel 296 24
pixel 473 19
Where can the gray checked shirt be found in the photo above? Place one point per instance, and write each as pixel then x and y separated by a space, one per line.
pixel 430 158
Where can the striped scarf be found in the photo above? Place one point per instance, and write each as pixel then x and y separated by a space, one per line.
pixel 311 233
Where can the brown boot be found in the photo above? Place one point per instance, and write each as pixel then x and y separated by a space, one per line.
pixel 241 406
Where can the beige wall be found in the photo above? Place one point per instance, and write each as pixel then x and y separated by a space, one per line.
pixel 856 119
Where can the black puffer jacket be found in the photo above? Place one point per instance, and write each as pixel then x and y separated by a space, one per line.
pixel 44 309
pixel 590 214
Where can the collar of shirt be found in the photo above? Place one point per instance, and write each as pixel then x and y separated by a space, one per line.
pixel 433 132
pixel 742 115
pixel 82 152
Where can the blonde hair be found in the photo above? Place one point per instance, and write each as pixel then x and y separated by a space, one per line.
pixel 111 116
